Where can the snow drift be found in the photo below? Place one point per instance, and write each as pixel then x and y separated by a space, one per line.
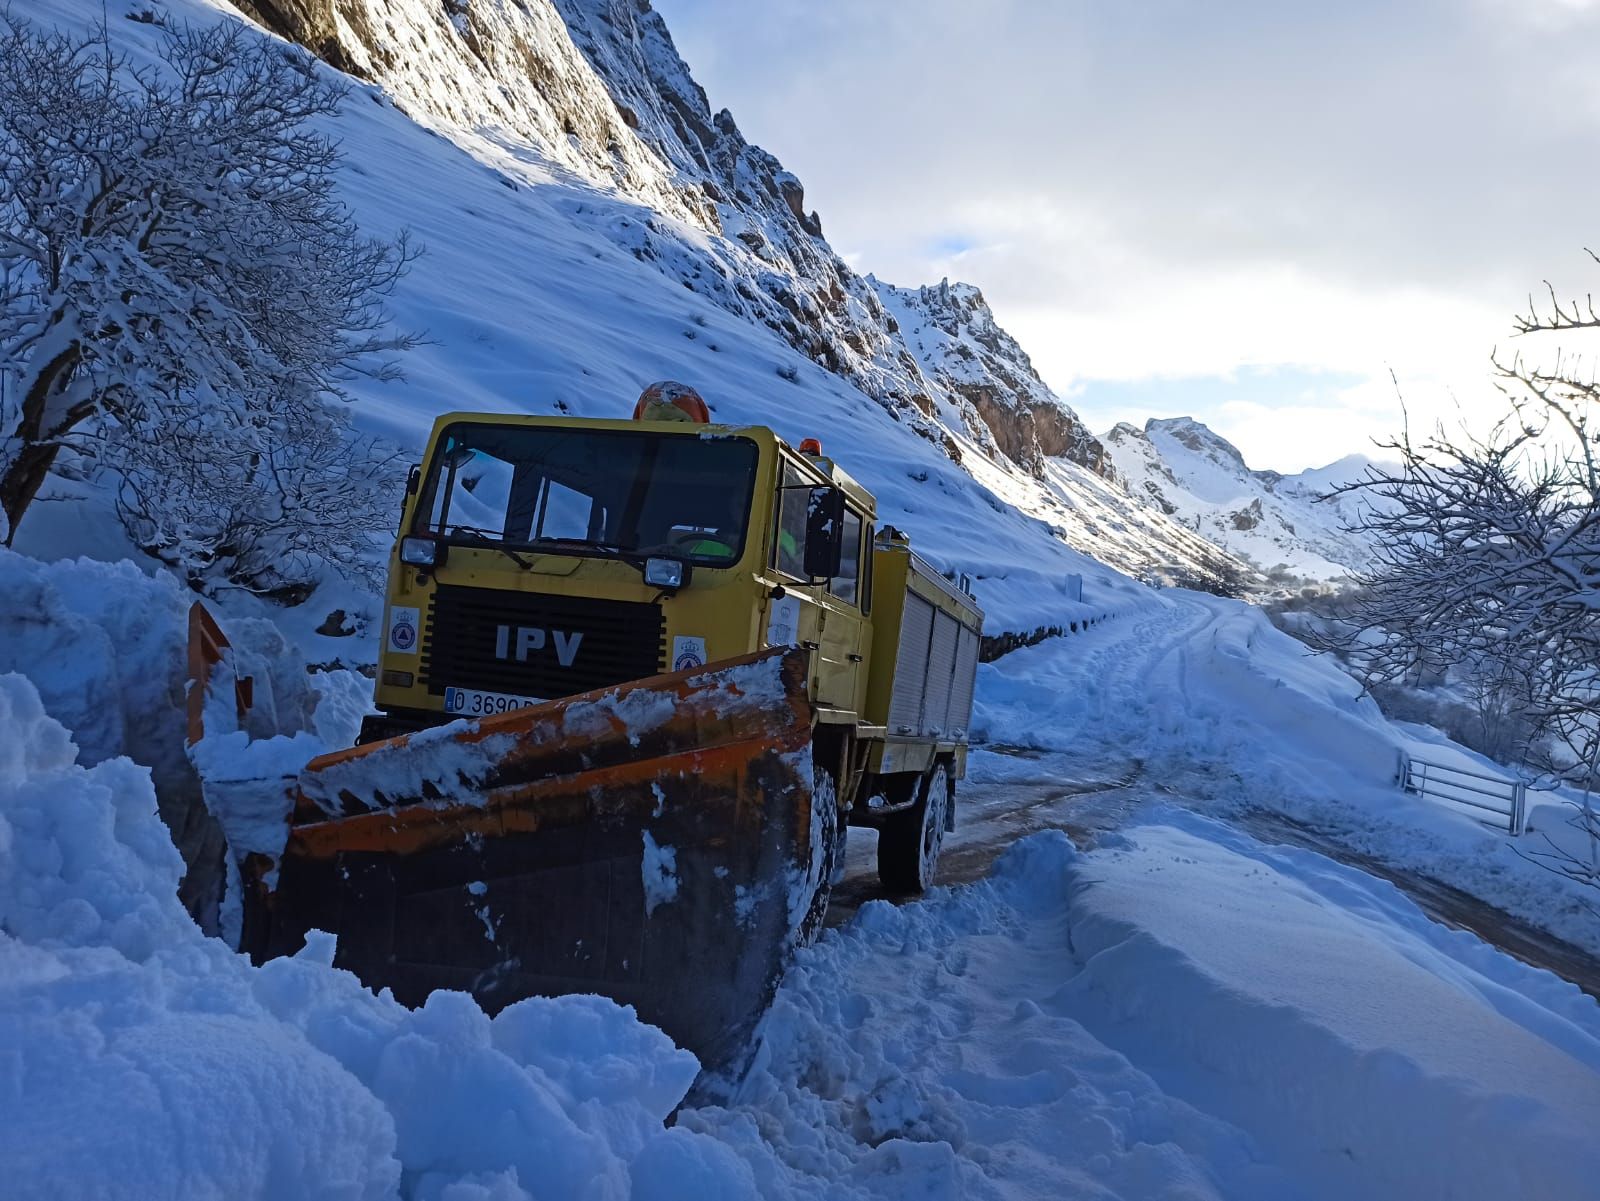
pixel 1179 1013
pixel 142 1059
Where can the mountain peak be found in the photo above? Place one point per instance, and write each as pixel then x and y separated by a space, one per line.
pixel 1277 521
pixel 1198 437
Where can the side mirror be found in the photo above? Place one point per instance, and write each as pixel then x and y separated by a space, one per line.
pixel 824 533
pixel 413 482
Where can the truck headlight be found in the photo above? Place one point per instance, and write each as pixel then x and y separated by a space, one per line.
pixel 665 573
pixel 419 552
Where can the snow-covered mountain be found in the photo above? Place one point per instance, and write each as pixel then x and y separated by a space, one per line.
pixel 590 225
pixel 1287 525
pixel 596 88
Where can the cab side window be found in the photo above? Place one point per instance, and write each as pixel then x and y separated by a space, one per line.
pixel 847 584
pixel 789 550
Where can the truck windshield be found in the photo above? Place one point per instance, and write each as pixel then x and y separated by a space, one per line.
pixel 591 492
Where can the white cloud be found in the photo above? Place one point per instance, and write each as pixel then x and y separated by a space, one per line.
pixel 1168 189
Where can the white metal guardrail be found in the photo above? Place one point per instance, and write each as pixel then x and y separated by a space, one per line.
pixel 1507 799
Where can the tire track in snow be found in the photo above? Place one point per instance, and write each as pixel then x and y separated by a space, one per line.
pixel 1102 784
pixel 1000 803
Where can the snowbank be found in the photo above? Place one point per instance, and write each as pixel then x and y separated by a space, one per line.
pixel 1321 1010
pixel 103 645
pixel 143 1060
pixel 1184 1014
pixel 1204 699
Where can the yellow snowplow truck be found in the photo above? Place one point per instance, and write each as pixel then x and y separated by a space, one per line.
pixel 636 678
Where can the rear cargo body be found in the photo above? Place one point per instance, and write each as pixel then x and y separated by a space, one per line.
pixel 920 688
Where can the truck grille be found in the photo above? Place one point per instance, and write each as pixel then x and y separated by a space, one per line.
pixel 604 642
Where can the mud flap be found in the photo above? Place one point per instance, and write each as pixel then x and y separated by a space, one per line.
pixel 650 842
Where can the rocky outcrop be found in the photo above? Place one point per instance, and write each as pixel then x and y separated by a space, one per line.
pixel 507 68
pixel 953 334
pixel 1248 517
pixel 308 22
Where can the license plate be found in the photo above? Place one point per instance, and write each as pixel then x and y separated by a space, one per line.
pixel 469 702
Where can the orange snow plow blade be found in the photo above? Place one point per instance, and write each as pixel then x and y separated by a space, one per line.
pixel 653 842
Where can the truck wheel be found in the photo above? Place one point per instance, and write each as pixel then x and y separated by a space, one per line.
pixel 831 831
pixel 909 841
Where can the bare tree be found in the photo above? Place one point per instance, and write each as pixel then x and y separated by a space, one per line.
pixel 178 276
pixel 1487 564
pixel 265 517
pixel 1502 687
pixel 1476 541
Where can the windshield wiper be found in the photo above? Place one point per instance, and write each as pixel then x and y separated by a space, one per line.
pixel 616 549
pixel 492 539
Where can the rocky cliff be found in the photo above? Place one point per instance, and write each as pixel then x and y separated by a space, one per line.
pixel 961 348
pixel 597 88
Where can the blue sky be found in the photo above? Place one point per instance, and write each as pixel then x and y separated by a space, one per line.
pixel 1246 211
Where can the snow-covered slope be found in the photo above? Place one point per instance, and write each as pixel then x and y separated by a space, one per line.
pixel 595 88
pixel 1276 521
pixel 591 225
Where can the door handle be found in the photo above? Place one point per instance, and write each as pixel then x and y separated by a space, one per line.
pixel 854 658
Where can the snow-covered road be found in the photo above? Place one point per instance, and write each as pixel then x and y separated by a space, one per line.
pixel 1202 702
pixel 1096 779
pixel 1050 775
pixel 1184 1009
pixel 1180 1012
pixel 1172 1009
pixel 1017 792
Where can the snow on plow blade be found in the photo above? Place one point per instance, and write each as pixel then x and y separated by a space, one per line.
pixel 652 842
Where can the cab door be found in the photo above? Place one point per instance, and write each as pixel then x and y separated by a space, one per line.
pixel 842 655
pixel 795 618
pixel 822 616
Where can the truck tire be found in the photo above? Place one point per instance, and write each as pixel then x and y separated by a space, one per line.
pixel 832 856
pixel 831 830
pixel 909 841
